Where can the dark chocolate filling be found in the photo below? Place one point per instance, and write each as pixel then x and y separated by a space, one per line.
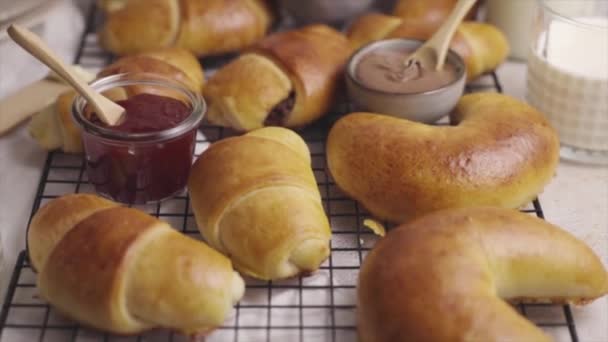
pixel 279 113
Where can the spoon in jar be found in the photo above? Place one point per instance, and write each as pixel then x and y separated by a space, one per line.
pixel 108 112
pixel 432 54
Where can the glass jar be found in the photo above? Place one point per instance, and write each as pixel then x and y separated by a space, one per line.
pixel 568 75
pixel 139 168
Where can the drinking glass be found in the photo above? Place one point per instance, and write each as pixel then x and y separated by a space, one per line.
pixel 568 75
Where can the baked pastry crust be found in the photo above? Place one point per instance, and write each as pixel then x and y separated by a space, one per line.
pixel 501 153
pixel 205 28
pixel 243 93
pixel 120 270
pixel 444 277
pixel 256 200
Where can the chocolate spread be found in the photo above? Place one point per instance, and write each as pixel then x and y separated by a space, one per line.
pixel 386 70
pixel 279 113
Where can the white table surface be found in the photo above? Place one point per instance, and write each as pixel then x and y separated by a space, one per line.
pixel 576 199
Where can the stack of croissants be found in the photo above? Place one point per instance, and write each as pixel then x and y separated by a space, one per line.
pixel 460 252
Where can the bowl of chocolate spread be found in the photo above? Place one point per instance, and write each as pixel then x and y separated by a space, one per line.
pixel 379 80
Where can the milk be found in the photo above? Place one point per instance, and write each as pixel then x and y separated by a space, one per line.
pixel 568 81
pixel 578 49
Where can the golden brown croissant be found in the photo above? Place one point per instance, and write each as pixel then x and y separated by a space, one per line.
pixel 501 153
pixel 430 11
pixel 111 5
pixel 482 46
pixel 120 270
pixel 207 27
pixel 443 277
pixel 54 128
pixel 287 79
pixel 256 200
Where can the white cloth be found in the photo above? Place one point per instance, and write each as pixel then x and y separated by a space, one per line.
pixel 61 29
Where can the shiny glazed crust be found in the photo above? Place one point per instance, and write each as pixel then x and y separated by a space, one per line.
pixel 429 11
pixel 120 270
pixel 141 25
pixel 256 200
pixel 482 46
pixel 314 58
pixel 501 153
pixel 174 63
pixel 111 5
pixel 308 61
pixel 204 27
pixel 243 92
pixel 443 277
pixel 53 220
pixel 213 27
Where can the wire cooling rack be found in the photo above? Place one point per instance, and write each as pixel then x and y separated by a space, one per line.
pixel 320 307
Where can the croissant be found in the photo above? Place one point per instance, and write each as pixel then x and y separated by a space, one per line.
pixel 120 270
pixel 287 79
pixel 53 128
pixel 256 200
pixel 443 277
pixel 482 46
pixel 207 27
pixel 501 153
pixel 111 5
pixel 430 11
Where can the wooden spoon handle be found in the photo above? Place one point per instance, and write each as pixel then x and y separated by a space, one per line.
pixel 442 38
pixel 37 48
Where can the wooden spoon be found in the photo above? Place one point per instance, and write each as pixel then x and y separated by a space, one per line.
pixel 431 54
pixel 108 112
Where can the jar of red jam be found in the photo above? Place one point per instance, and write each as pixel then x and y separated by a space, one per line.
pixel 146 157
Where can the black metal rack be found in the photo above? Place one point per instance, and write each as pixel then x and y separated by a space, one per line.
pixel 316 308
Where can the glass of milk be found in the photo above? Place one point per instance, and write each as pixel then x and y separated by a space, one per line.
pixel 568 75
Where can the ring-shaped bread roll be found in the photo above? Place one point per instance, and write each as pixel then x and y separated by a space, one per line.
pixel 501 153
pixel 443 277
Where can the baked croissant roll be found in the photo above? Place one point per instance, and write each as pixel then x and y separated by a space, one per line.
pixel 205 28
pixel 501 153
pixel 430 11
pixel 287 79
pixel 120 270
pixel 482 46
pixel 444 277
pixel 53 128
pixel 256 200
pixel 111 5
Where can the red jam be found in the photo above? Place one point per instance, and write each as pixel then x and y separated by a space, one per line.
pixel 149 113
pixel 142 171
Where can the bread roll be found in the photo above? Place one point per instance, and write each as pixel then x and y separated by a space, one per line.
pixel 256 200
pixel 482 46
pixel 443 277
pixel 120 270
pixel 111 5
pixel 501 152
pixel 429 11
pixel 205 28
pixel 54 128
pixel 173 63
pixel 287 79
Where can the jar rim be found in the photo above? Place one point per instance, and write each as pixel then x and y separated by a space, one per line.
pixel 198 107
pixel 545 4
